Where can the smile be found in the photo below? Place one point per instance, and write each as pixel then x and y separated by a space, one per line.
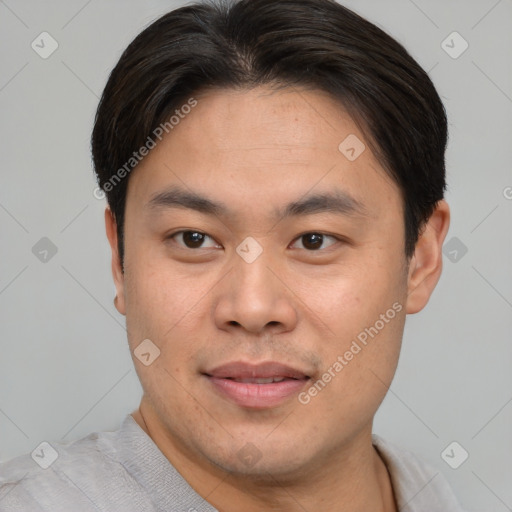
pixel 257 386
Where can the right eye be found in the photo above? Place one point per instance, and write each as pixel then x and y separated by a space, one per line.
pixel 192 239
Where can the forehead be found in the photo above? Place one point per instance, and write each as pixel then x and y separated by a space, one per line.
pixel 266 144
pixel 263 118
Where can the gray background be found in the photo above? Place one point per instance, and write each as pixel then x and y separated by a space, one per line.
pixel 65 367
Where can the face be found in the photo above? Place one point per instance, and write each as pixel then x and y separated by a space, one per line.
pixel 303 297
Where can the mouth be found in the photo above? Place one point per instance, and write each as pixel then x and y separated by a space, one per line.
pixel 256 386
pixel 256 380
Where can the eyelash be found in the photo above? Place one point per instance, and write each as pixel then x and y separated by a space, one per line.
pixel 325 235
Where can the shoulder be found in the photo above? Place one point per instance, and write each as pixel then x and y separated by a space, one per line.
pixel 418 486
pixel 79 476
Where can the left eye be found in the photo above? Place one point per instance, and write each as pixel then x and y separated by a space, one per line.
pixel 193 239
pixel 314 241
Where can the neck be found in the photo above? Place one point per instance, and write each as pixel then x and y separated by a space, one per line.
pixel 353 480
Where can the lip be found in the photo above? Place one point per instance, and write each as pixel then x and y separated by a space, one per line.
pixel 252 394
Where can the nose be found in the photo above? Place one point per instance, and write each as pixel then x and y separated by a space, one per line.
pixel 256 297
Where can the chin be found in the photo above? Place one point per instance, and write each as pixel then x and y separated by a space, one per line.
pixel 264 462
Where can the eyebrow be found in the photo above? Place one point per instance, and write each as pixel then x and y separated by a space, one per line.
pixel 335 201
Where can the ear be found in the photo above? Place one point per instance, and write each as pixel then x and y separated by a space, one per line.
pixel 427 262
pixel 117 274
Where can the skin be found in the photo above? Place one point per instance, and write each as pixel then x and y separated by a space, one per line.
pixel 256 151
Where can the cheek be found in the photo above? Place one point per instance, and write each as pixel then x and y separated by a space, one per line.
pixel 155 303
pixel 163 309
pixel 359 367
pixel 351 297
pixel 162 290
pixel 363 315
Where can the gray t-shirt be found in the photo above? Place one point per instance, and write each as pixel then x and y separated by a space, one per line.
pixel 124 471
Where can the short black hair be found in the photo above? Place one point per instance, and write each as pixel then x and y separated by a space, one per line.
pixel 316 44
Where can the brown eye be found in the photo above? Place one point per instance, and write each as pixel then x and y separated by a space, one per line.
pixel 192 239
pixel 314 241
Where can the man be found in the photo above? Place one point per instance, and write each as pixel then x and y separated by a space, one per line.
pixel 274 174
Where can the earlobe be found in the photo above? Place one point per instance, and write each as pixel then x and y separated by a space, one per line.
pixel 427 262
pixel 117 274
